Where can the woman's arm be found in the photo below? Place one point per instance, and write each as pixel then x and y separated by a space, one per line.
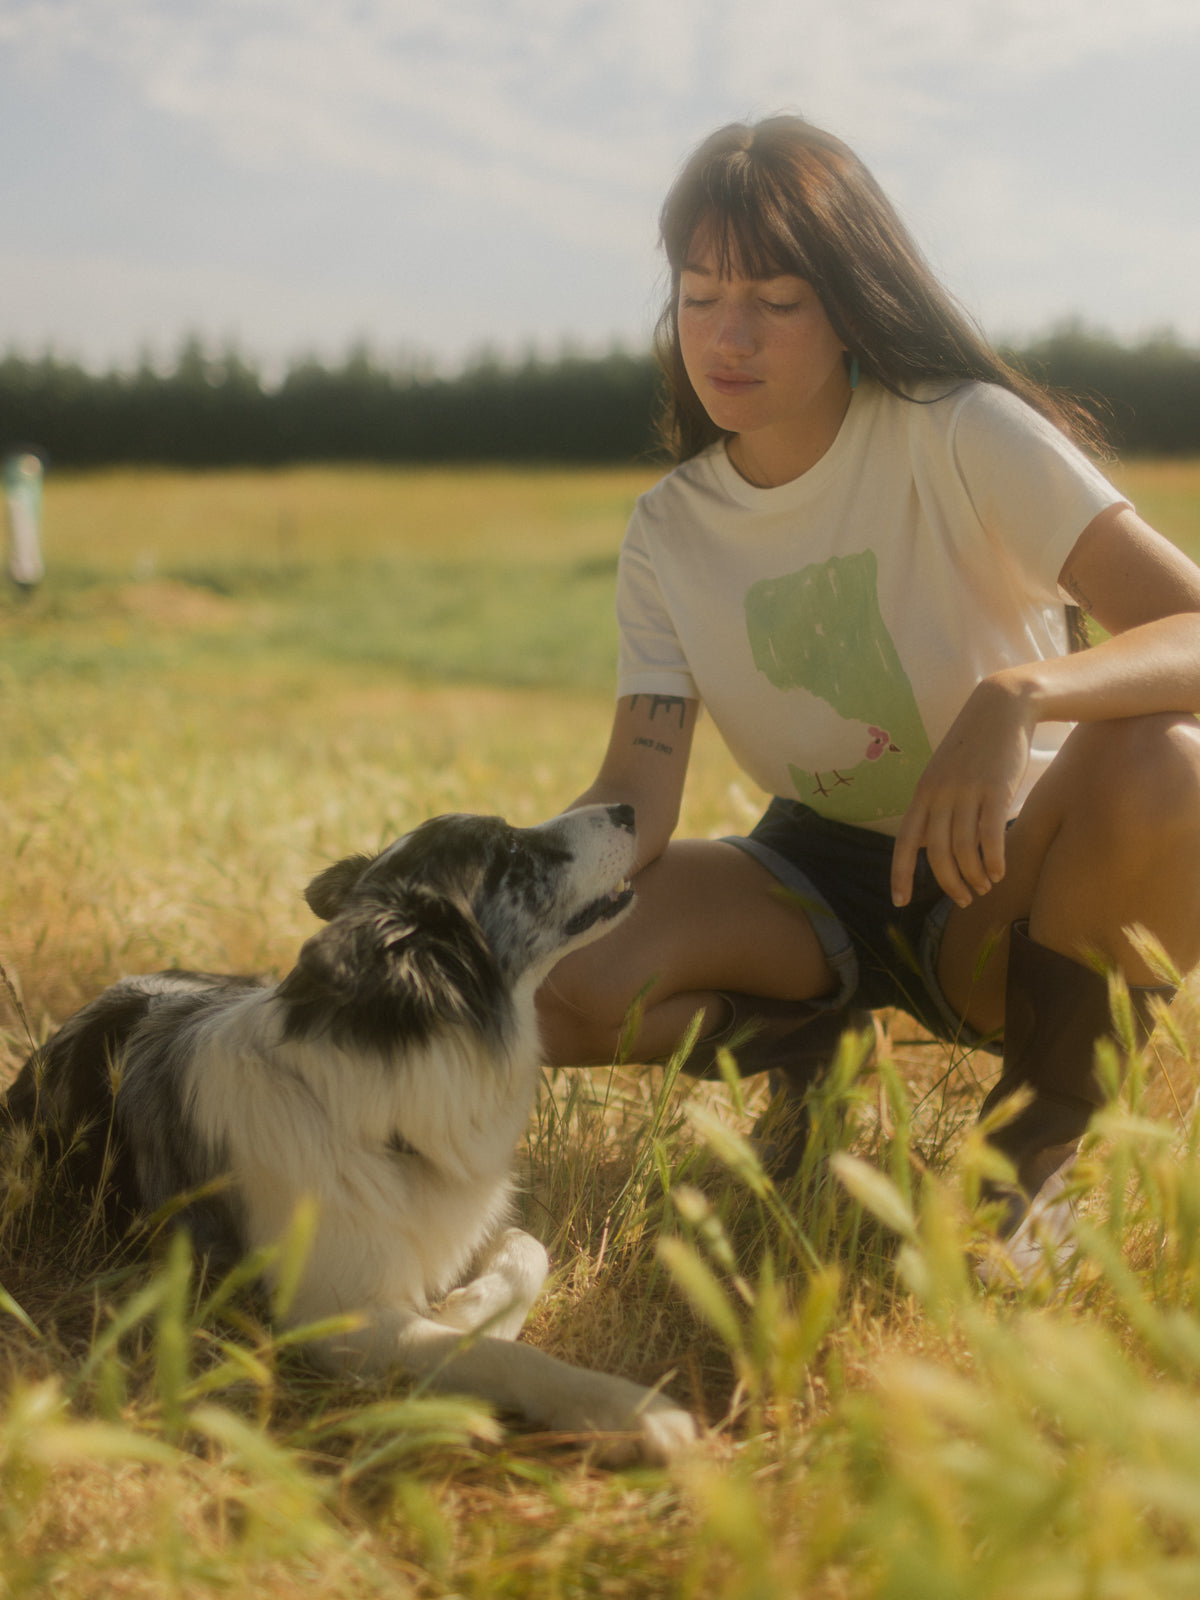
pixel 1146 594
pixel 645 766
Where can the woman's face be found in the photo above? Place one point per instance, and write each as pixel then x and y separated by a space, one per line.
pixel 764 361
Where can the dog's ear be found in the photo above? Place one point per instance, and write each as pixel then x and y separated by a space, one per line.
pixel 330 890
pixel 385 974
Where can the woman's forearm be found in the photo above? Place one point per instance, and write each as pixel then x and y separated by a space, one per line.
pixel 1148 669
pixel 645 767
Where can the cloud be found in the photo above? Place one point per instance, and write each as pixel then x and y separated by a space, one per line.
pixel 568 91
pixel 428 129
pixel 548 96
pixel 476 96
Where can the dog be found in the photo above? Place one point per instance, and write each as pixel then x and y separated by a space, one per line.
pixel 387 1077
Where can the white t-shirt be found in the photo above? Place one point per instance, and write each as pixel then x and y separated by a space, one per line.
pixel 833 627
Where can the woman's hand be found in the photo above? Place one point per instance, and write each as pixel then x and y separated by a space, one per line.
pixel 963 799
pixel 1146 594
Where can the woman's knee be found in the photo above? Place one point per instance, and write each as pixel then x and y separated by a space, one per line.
pixel 1139 777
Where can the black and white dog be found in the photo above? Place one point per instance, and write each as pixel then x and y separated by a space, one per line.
pixel 388 1078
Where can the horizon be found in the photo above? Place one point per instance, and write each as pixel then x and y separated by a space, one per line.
pixel 419 368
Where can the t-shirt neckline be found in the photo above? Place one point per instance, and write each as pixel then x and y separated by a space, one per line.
pixel 796 489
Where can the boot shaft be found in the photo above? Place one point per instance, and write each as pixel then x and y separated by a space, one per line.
pixel 1056 1010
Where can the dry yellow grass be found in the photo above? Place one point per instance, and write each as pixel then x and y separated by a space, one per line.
pixel 137 521
pixel 901 1437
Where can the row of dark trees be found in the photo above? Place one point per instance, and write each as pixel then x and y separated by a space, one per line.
pixel 211 410
pixel 215 411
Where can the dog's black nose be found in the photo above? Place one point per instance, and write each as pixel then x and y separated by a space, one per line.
pixel 623 816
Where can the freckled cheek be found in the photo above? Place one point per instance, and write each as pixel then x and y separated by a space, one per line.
pixel 691 346
pixel 695 372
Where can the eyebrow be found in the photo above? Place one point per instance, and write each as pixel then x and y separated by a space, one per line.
pixel 699 270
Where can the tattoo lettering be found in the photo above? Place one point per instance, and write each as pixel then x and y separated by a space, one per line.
pixel 669 705
pixel 656 744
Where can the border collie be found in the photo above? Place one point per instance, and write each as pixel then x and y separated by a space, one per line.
pixel 388 1078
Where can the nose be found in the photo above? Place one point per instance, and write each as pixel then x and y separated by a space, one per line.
pixel 734 330
pixel 623 817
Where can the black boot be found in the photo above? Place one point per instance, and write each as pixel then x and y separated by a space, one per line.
pixel 1055 1012
pixel 795 1044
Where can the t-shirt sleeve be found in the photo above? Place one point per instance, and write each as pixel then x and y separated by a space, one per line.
pixel 1031 487
pixel 650 658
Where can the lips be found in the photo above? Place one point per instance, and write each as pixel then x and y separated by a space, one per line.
pixel 732 383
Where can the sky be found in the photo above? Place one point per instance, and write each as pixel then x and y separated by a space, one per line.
pixel 439 177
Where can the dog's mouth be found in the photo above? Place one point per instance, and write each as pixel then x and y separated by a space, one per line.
pixel 603 910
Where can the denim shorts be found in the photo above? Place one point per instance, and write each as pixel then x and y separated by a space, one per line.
pixel 881 955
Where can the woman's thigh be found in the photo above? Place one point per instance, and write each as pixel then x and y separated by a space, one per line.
pixel 707 917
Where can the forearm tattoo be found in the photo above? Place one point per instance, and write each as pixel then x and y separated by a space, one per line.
pixel 670 706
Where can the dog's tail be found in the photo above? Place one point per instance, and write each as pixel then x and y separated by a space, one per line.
pixel 65 1093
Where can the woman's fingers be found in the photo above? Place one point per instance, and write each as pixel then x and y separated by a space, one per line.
pixel 952 846
pixel 963 839
pixel 909 841
pixel 993 833
pixel 962 801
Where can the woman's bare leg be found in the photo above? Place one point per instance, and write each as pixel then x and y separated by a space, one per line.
pixel 708 917
pixel 1110 836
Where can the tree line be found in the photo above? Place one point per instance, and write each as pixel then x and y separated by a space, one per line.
pixel 214 409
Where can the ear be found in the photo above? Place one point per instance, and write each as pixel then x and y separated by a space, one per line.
pixel 377 976
pixel 330 890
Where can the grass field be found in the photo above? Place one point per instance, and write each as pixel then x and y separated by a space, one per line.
pixel 228 680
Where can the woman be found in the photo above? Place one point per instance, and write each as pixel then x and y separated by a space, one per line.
pixel 861 565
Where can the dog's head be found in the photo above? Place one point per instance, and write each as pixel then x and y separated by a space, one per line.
pixel 440 927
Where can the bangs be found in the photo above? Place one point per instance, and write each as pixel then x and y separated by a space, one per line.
pixel 750 247
pixel 750 224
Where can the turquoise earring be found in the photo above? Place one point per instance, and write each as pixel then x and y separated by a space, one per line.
pixel 855 372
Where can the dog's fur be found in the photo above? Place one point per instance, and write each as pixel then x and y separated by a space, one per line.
pixel 388 1077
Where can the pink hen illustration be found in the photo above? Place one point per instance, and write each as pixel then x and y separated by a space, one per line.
pixel 881 740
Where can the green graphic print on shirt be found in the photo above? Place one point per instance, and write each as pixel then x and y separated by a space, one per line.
pixel 820 629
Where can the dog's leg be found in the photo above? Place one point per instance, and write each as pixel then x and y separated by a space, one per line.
pixel 501 1295
pixel 631 1422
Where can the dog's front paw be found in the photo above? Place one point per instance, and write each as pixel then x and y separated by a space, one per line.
pixel 665 1431
pixel 487 1303
pixel 632 1423
pixel 511 1275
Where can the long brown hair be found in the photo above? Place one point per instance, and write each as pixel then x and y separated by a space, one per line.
pixel 783 197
